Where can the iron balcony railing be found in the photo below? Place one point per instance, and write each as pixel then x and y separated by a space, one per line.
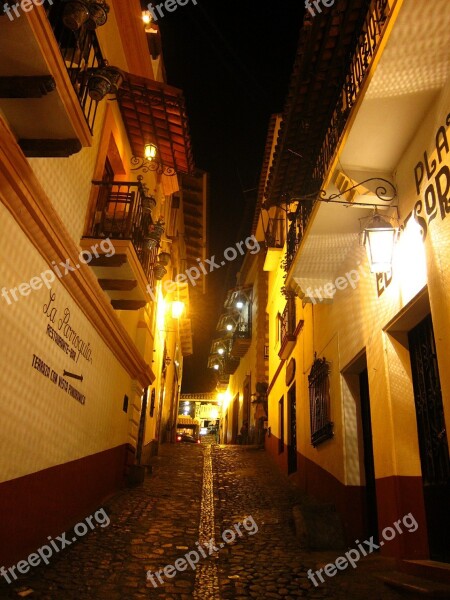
pixel 297 229
pixel 243 330
pixel 368 42
pixel 288 320
pixel 275 233
pixel 81 54
pixel 120 215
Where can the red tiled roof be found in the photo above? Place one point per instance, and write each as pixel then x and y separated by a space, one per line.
pixel 154 112
pixel 264 170
pixel 325 48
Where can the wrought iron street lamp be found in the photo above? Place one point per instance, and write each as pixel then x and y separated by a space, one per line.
pixel 239 304
pixel 146 17
pixel 150 151
pixel 379 237
pixel 151 161
pixel 230 323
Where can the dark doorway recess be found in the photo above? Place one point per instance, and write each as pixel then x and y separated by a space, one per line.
pixel 433 445
pixel 281 421
pixel 369 464
pixel 235 424
pixel 292 420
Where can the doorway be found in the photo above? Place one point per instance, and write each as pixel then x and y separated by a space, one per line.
pixel 235 423
pixel 433 445
pixel 281 422
pixel 225 430
pixel 246 411
pixel 369 463
pixel 292 421
pixel 360 440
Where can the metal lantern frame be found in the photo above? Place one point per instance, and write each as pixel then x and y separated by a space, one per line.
pixel 379 237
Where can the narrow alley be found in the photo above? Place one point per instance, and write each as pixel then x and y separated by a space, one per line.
pixel 151 526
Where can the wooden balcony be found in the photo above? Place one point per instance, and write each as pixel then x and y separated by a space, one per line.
pixel 242 339
pixel 230 365
pixel 44 75
pixel 120 216
pixel 222 383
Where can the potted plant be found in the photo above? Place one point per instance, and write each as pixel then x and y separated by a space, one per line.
pixel 75 14
pixel 98 14
pixel 163 258
pixel 155 231
pixel 103 81
pixel 148 204
pixel 159 271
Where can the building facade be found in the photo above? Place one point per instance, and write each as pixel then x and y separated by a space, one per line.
pixel 359 391
pixel 96 180
pixel 239 354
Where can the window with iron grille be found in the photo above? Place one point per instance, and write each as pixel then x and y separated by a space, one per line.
pixel 319 399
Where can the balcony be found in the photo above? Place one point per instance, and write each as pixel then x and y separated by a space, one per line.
pixel 322 236
pixel 44 76
pixel 224 365
pixel 288 328
pixel 324 93
pixel 237 322
pixel 222 383
pixel 297 230
pixel 275 235
pixel 241 340
pixel 230 365
pixel 122 214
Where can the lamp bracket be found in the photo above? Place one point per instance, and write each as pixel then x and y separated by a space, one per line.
pixel 145 165
pixel 386 192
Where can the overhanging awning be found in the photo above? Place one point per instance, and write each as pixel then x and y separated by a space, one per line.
pixel 154 112
pixel 324 59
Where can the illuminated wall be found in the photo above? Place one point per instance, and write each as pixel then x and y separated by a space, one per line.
pixel 374 318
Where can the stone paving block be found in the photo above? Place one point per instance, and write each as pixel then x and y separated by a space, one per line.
pixel 154 525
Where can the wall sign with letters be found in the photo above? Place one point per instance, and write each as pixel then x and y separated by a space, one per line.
pixel 434 175
pixel 61 331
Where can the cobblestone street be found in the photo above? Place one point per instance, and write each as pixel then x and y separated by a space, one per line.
pixel 194 494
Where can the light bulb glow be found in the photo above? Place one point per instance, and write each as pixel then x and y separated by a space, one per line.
pixel 177 309
pixel 146 17
pixel 150 151
pixel 379 240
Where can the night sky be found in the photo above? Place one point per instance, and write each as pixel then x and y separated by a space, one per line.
pixel 233 59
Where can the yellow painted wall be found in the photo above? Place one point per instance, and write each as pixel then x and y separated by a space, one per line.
pixel 67 181
pixel 358 318
pixel 251 364
pixel 42 425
